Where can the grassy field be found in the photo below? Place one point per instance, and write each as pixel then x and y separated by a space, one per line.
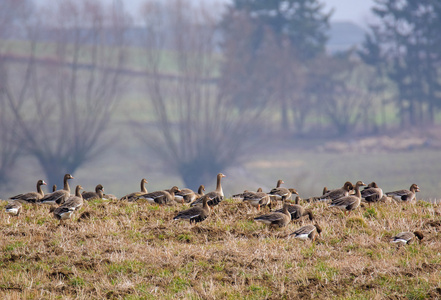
pixel 121 250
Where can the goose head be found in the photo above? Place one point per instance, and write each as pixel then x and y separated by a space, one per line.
pixel 293 191
pixel 415 188
pixel 41 182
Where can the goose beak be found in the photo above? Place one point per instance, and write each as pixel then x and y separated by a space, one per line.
pixel 44 183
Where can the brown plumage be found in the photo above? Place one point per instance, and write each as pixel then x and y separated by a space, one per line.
pixel 405 195
pixel 195 214
pixel 13 208
pixel 71 204
pixel 31 197
pixel 372 193
pixel 161 197
pixel 351 202
pixel 98 194
pixel 407 237
pixel 75 201
pixel 258 199
pixel 279 219
pixel 188 195
pixel 337 193
pixel 134 196
pixel 214 197
pixel 307 232
pixel 59 196
pixel 297 211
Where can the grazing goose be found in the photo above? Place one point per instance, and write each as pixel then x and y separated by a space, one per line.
pixel 13 208
pixel 58 197
pixel 109 197
pixel 245 194
pixel 258 199
pixel 279 219
pixel 72 204
pixel 407 237
pixel 195 214
pixel 134 196
pixel 351 202
pixel 307 232
pixel 161 197
pixel 405 195
pixel 337 193
pixel 213 198
pixel 98 194
pixel 372 193
pixel 31 197
pixel 188 195
pixel 298 211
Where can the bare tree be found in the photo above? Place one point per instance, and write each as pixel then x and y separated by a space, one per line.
pixel 63 93
pixel 9 148
pixel 198 132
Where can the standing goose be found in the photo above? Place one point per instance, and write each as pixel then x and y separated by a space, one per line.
pixel 213 198
pixel 134 196
pixel 279 219
pixel 258 199
pixel 76 201
pixel 307 232
pixel 405 195
pixel 188 195
pixel 297 211
pixel 351 202
pixel 13 208
pixel 372 193
pixel 98 194
pixel 407 237
pixel 337 193
pixel 195 214
pixel 72 204
pixel 31 197
pixel 281 193
pixel 58 197
pixel 161 197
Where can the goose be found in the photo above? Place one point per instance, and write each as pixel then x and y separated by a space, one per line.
pixel 405 195
pixel 245 194
pixel 337 193
pixel 188 195
pixel 351 202
pixel 214 197
pixel 195 214
pixel 161 197
pixel 59 196
pixel 307 232
pixel 109 197
pixel 31 197
pixel 134 196
pixel 98 194
pixel 281 193
pixel 75 201
pixel 72 204
pixel 407 237
pixel 13 208
pixel 258 199
pixel 279 219
pixel 297 211
pixel 372 193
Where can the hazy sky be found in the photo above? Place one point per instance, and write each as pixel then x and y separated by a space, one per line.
pixel 357 11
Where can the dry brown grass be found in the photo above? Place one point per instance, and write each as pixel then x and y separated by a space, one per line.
pixel 135 250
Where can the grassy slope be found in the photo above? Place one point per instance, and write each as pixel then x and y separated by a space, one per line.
pixel 135 250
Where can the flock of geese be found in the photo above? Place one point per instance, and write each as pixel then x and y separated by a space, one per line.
pixel 347 198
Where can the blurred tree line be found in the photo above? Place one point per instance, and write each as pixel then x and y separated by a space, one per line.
pixel 258 70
